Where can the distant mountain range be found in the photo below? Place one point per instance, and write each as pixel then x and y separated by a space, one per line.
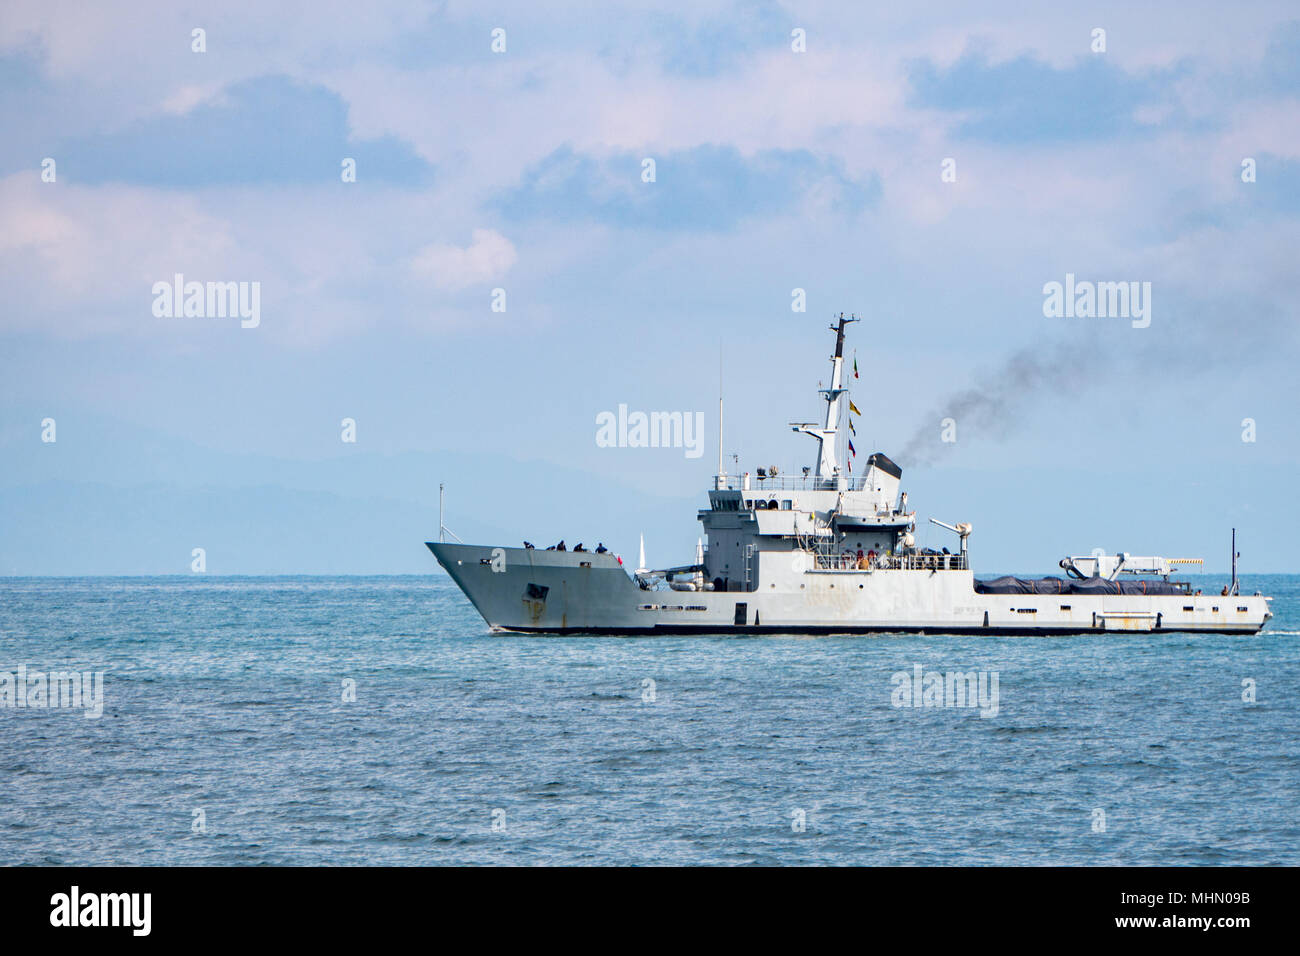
pixel 83 506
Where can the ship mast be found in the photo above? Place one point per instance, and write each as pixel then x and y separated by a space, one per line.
pixel 828 456
pixel 720 481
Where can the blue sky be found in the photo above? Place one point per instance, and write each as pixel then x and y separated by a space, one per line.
pixel 522 171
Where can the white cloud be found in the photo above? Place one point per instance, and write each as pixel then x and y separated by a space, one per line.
pixel 187 97
pixel 487 258
pixel 79 259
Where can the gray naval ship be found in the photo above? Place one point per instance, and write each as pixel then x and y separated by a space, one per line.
pixel 830 553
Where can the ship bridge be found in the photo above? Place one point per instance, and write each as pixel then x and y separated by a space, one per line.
pixel 762 524
pixel 837 520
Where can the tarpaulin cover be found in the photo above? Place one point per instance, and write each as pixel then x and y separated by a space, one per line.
pixel 1093 585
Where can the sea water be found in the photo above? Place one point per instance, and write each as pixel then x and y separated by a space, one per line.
pixel 350 720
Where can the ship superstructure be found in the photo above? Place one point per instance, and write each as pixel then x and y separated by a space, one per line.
pixel 830 552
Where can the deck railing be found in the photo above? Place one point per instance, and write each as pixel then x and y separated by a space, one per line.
pixel 786 483
pixel 890 562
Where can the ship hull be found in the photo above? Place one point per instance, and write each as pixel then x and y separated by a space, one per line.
pixel 565 592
